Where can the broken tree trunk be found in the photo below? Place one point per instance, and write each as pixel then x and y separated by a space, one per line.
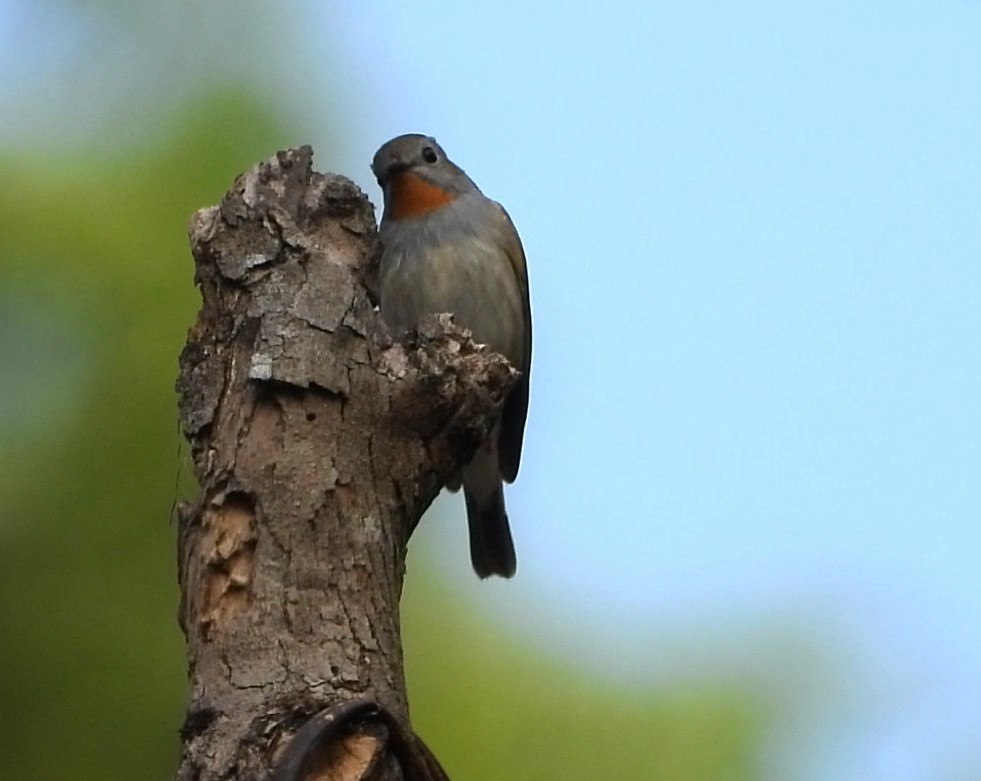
pixel 318 441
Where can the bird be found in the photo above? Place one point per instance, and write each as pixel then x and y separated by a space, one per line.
pixel 446 247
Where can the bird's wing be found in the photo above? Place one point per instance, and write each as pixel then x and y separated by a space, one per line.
pixel 516 406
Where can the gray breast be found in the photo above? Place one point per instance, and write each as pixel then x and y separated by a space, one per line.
pixel 449 261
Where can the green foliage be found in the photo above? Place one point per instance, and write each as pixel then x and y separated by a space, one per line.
pixel 491 709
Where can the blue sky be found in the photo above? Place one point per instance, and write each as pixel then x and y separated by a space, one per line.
pixel 754 242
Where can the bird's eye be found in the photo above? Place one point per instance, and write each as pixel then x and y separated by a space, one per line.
pixel 429 154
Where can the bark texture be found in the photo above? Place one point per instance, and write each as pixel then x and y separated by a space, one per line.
pixel 318 440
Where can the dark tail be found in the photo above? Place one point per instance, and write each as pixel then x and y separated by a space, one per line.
pixel 491 546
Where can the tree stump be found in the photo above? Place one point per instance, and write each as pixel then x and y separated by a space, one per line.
pixel 318 440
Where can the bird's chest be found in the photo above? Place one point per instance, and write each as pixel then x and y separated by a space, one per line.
pixel 462 273
pixel 429 271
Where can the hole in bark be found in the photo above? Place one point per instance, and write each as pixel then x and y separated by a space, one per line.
pixel 197 721
pixel 311 416
pixel 349 759
pixel 229 548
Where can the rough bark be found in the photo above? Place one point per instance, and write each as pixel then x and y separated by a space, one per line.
pixel 318 440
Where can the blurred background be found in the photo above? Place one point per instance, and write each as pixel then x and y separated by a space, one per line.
pixel 747 519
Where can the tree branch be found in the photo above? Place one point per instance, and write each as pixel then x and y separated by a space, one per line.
pixel 318 441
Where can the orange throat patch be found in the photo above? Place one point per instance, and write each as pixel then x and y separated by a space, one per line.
pixel 409 195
